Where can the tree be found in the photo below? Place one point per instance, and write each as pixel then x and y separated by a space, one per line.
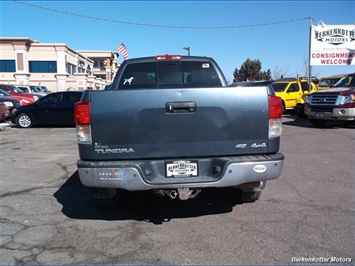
pixel 250 70
pixel 266 75
pixel 304 69
pixel 236 76
pixel 279 72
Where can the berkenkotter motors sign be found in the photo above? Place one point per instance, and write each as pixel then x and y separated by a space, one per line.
pixel 332 45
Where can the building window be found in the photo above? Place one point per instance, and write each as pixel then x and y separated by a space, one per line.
pixel 81 70
pixel 71 69
pixel 7 66
pixel 88 70
pixel 99 65
pixel 81 66
pixel 43 66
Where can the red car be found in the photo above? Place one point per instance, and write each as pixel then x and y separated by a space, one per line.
pixel 27 98
pixel 23 99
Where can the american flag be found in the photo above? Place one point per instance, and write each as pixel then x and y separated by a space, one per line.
pixel 122 50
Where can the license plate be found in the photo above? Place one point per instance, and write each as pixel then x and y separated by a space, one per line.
pixel 181 169
pixel 320 115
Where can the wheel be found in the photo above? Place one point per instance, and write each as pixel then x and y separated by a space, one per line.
pixel 103 197
pixel 249 196
pixel 299 111
pixel 24 121
pixel 317 122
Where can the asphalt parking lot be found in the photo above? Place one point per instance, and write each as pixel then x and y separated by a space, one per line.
pixel 307 215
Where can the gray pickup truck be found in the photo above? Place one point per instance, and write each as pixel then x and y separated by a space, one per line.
pixel 172 125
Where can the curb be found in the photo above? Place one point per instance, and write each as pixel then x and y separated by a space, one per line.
pixel 3 126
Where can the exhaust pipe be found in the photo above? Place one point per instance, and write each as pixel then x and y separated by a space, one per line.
pixel 182 193
pixel 158 192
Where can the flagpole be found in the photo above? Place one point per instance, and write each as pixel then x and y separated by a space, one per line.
pixel 309 56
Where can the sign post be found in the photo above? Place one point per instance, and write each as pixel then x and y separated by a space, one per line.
pixel 309 59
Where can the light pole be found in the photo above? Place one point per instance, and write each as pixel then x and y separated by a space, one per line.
pixel 188 50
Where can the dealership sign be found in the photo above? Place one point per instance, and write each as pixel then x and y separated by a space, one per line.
pixel 332 45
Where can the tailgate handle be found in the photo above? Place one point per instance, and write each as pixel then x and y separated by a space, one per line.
pixel 180 107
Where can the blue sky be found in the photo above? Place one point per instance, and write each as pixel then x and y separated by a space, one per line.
pixel 223 30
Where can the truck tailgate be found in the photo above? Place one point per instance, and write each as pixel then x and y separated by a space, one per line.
pixel 178 123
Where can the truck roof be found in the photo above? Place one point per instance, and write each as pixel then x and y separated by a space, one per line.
pixel 168 57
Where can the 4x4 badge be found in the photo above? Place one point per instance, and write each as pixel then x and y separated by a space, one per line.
pixel 262 145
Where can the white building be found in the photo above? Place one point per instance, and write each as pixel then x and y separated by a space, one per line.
pixel 54 65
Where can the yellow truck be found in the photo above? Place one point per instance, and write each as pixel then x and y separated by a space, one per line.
pixel 327 82
pixel 291 91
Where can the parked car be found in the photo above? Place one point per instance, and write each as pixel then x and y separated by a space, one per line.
pixel 31 89
pixel 44 89
pixel 4 113
pixel 327 82
pixel 10 102
pixel 56 108
pixel 334 104
pixel 24 99
pixel 13 90
pixel 291 92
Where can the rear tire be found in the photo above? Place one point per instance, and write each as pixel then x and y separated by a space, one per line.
pixel 249 196
pixel 299 111
pixel 103 197
pixel 24 121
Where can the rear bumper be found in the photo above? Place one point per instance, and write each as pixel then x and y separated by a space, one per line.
pixel 150 174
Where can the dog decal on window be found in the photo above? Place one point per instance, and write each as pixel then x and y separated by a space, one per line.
pixel 129 81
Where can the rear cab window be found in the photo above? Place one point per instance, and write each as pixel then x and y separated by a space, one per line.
pixel 170 74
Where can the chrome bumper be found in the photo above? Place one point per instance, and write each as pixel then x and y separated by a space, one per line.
pixel 332 114
pixel 148 175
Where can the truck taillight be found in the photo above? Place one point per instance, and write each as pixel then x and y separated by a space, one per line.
pixel 82 118
pixel 82 112
pixel 168 57
pixel 275 112
pixel 275 107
